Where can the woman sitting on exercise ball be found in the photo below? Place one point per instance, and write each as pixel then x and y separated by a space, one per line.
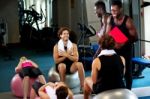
pixel 107 69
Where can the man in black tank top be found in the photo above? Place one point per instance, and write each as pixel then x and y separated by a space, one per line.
pixel 125 24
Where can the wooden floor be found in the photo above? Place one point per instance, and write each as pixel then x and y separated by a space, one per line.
pixel 7 95
pixel 140 92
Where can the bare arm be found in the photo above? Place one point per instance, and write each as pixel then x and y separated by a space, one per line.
pixel 108 26
pixel 56 56
pixel 75 56
pixel 43 95
pixel 48 84
pixel 123 61
pixel 18 67
pixel 41 92
pixel 96 65
pixel 70 93
pixel 34 64
pixel 105 22
pixel 132 30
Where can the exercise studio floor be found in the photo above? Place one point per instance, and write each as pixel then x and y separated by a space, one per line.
pixel 141 87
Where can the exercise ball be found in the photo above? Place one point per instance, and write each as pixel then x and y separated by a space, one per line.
pixel 17 85
pixel 53 75
pixel 116 94
pixel 72 80
pixel 80 96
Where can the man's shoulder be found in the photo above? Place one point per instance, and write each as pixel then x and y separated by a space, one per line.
pixel 108 14
pixel 74 44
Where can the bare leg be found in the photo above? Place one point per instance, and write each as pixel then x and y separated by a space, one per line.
pixel 87 87
pixel 32 94
pixel 25 87
pixel 78 66
pixel 81 73
pixel 42 79
pixel 62 71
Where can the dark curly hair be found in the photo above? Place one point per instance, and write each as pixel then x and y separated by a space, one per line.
pixel 107 42
pixel 63 29
pixel 62 92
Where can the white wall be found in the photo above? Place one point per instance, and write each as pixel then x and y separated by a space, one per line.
pixel 71 12
pixel 92 18
pixel 63 13
pixel 147 27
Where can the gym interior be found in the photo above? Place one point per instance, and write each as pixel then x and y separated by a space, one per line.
pixel 29 28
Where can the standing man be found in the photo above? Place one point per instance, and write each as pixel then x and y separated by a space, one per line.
pixel 125 24
pixel 100 10
pixel 103 15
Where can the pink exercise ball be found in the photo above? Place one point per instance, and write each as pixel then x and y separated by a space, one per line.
pixel 17 86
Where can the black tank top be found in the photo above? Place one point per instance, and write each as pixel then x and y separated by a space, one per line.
pixel 122 27
pixel 110 75
pixel 125 30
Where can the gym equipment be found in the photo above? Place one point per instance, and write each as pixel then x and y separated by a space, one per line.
pixel 72 80
pixel 86 52
pixel 142 64
pixel 17 86
pixel 116 94
pixel 86 32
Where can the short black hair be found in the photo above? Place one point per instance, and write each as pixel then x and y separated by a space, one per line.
pixel 62 92
pixel 117 3
pixel 100 3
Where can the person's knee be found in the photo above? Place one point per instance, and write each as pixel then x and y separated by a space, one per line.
pixel 86 86
pixel 26 77
pixel 61 67
pixel 79 65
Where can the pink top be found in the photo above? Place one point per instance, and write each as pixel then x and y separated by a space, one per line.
pixel 27 63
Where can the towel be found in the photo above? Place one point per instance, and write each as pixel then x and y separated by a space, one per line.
pixel 106 52
pixel 51 92
pixel 61 45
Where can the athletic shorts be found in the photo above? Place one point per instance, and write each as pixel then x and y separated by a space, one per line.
pixel 31 72
pixel 36 86
pixel 68 65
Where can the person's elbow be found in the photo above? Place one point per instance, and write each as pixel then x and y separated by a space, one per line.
pixel 76 59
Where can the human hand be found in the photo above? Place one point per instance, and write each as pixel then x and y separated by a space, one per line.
pixel 62 53
pixel 119 45
pixel 17 70
pixel 70 51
